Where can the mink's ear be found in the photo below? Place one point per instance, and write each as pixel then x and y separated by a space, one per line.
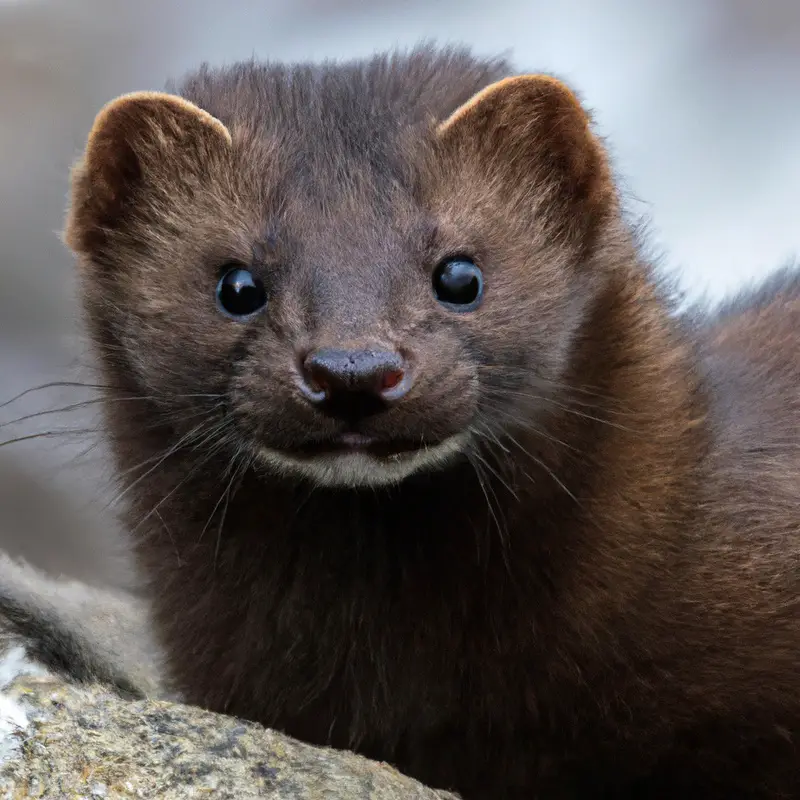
pixel 531 130
pixel 138 141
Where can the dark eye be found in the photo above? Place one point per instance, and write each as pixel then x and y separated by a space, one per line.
pixel 458 284
pixel 240 294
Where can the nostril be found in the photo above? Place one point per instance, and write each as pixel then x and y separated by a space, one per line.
pixel 318 376
pixel 311 382
pixel 391 379
pixel 316 381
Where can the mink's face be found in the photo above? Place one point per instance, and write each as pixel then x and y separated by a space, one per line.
pixel 353 314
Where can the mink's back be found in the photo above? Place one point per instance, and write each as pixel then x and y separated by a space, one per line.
pixel 751 355
pixel 738 569
pixel 745 558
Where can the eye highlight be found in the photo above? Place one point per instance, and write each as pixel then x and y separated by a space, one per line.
pixel 458 284
pixel 240 294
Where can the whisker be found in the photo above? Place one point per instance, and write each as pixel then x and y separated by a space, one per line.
pixel 225 494
pixel 180 444
pixel 502 529
pixel 547 469
pixel 498 449
pixel 487 431
pixel 99 433
pixel 53 385
pixel 171 538
pixel 527 425
pixel 199 465
pixel 143 463
pixel 476 468
pixel 531 372
pixel 569 410
pixel 611 404
pixel 242 471
pixel 47 435
pixel 494 472
pixel 47 412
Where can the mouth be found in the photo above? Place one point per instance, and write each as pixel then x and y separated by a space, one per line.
pixel 355 443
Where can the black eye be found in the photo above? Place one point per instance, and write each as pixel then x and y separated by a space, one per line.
pixel 240 294
pixel 458 284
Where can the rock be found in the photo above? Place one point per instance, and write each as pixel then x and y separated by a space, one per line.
pixel 64 740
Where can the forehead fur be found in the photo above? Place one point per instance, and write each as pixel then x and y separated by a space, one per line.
pixel 321 115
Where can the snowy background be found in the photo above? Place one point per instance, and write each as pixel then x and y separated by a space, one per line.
pixel 700 100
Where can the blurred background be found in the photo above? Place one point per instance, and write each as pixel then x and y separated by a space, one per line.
pixel 700 102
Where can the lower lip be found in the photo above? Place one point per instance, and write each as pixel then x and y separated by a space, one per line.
pixel 354 441
pixel 358 443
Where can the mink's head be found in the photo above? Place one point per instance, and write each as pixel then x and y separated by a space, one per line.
pixel 364 268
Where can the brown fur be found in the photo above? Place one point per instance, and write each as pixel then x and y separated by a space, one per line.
pixel 599 597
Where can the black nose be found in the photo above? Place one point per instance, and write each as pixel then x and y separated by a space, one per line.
pixel 354 383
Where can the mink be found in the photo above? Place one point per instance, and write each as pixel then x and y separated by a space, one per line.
pixel 429 462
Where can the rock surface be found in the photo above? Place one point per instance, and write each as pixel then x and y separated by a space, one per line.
pixel 60 740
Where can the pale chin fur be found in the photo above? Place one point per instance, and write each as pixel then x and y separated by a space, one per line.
pixel 354 470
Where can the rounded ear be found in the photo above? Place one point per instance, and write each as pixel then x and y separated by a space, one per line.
pixel 138 140
pixel 531 128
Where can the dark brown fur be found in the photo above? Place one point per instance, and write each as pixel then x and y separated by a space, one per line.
pixel 600 597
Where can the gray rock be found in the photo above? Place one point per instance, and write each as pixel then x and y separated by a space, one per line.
pixel 60 740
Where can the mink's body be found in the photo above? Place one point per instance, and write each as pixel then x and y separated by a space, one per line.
pixel 586 584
